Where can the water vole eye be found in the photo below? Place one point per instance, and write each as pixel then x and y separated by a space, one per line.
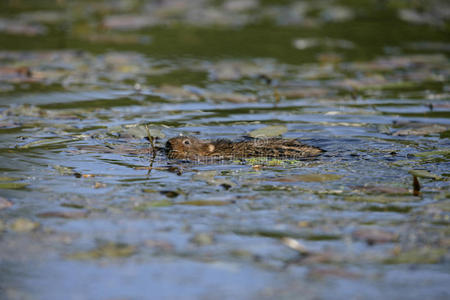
pixel 187 142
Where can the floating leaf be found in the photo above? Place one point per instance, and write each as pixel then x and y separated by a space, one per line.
pixel 268 131
pixel 204 175
pixel 308 178
pixel 63 170
pixel 424 174
pixel 425 255
pixel 389 208
pixel 44 143
pixel 64 214
pixel 444 152
pixel 8 178
pixel 23 225
pixel 177 93
pixel 203 239
pixel 146 205
pixel 382 189
pixel 204 203
pixel 108 250
pixel 137 131
pixel 425 130
pixel 380 199
pixel 12 185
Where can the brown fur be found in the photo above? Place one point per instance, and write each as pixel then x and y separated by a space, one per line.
pixel 187 147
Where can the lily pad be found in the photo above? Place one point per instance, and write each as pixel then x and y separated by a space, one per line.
pixel 268 131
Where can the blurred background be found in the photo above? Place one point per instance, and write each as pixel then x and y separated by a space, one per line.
pixel 85 214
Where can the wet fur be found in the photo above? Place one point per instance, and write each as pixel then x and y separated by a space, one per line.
pixel 193 148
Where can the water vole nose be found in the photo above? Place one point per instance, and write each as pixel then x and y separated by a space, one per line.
pixel 168 146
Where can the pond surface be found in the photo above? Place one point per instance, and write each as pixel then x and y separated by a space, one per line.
pixel 87 212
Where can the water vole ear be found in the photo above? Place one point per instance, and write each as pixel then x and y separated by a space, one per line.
pixel 211 147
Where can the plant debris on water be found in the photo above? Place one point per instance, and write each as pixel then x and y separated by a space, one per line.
pixel 91 206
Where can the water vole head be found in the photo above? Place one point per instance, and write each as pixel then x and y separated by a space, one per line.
pixel 187 147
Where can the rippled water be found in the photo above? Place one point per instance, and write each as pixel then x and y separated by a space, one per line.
pixel 86 218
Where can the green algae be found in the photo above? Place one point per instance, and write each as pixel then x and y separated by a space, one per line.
pixel 425 255
pixel 107 250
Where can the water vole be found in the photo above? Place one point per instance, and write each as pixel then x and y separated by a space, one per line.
pixel 188 147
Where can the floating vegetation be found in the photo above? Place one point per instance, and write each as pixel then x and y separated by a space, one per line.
pixel 63 214
pixel 13 185
pixel 444 152
pixel 23 225
pixel 268 131
pixel 44 143
pixel 424 255
pixel 308 178
pixel 105 250
pixel 205 203
pixel 424 174
pixel 146 205
pixel 380 199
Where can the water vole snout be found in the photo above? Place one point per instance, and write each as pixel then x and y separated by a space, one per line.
pixel 187 147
